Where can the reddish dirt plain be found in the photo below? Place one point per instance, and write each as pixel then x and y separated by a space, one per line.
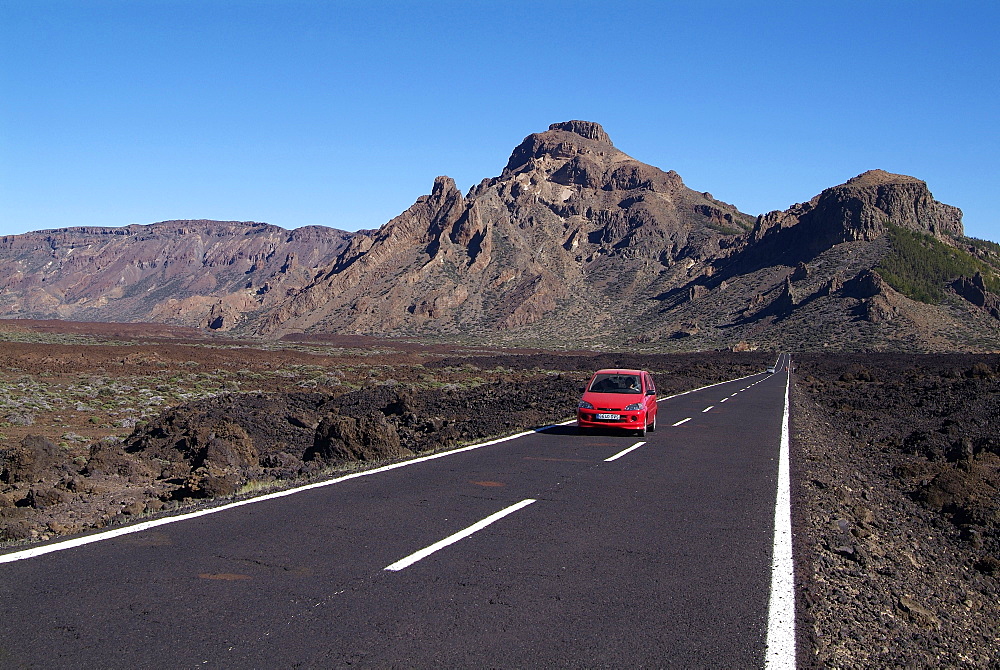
pixel 896 463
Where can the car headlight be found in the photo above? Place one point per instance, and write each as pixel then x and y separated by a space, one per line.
pixel 583 404
pixel 634 407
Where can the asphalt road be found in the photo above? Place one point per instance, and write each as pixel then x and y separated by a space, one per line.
pixel 660 557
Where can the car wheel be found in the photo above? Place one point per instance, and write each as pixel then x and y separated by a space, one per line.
pixel 652 426
pixel 642 431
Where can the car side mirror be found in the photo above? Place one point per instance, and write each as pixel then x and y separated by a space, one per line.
pixel 650 392
pixel 583 389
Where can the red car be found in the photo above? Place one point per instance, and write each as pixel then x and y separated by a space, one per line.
pixel 624 399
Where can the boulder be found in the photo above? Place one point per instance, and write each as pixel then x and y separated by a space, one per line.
pixel 210 481
pixel 34 459
pixel 342 438
pixel 110 458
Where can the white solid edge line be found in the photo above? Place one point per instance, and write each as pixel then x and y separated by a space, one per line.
pixel 622 453
pixel 452 539
pixel 780 651
pixel 146 525
pixel 680 422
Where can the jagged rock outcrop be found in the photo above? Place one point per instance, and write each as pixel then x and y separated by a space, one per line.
pixel 878 301
pixel 866 285
pixel 879 309
pixel 785 302
pixel 860 209
pixel 974 290
pixel 863 206
pixel 801 272
pixel 831 285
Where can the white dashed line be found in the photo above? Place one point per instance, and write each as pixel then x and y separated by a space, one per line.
pixel 74 542
pixel 682 421
pixel 622 453
pixel 452 539
pixel 707 408
pixel 146 525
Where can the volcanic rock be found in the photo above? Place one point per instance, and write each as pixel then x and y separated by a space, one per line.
pixel 32 459
pixel 110 458
pixel 860 209
pixel 572 225
pixel 347 439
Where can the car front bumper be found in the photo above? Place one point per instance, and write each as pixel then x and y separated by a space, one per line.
pixel 628 420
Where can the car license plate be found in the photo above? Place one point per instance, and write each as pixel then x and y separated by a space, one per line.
pixel 608 417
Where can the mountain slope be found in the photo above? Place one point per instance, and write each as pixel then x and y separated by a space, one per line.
pixel 809 277
pixel 196 273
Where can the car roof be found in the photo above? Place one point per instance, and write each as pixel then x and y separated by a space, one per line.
pixel 618 371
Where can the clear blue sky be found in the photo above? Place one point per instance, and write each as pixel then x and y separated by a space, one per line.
pixel 342 113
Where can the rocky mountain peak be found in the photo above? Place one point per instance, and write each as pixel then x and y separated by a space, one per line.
pixel 561 142
pixel 575 240
pixel 588 129
pixel 862 208
pixel 875 178
pixel 443 185
pixel 866 204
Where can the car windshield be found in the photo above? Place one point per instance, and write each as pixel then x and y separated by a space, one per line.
pixel 616 384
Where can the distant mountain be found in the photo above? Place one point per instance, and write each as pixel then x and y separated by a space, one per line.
pixel 567 242
pixel 574 244
pixel 198 273
pixel 824 274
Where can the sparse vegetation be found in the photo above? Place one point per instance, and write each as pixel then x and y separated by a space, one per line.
pixel 920 266
pixel 725 230
pixel 984 245
pixel 934 419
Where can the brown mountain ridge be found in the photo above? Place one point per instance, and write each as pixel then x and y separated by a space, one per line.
pixel 575 243
pixel 205 274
